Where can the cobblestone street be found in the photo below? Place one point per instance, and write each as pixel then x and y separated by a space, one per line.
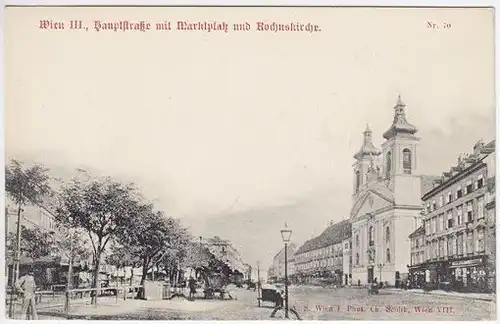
pixel 312 303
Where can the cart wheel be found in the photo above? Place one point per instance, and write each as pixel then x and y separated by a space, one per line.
pixel 279 312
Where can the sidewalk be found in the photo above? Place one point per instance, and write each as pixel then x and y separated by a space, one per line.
pixel 134 306
pixel 452 294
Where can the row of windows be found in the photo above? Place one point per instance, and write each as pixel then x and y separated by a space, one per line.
pixel 387 257
pixel 330 262
pixel 463 243
pixel 335 249
pixel 371 236
pixel 460 192
pixel 417 257
pixel 417 242
pixel 456 217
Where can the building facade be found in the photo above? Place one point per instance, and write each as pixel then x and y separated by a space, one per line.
pixel 387 193
pixel 279 262
pixel 225 251
pixel 417 258
pixel 459 229
pixel 323 256
pixel 347 260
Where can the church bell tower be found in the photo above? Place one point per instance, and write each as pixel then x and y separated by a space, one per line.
pixel 364 162
pixel 400 158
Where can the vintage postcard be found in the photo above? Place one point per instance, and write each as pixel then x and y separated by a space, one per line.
pixel 250 163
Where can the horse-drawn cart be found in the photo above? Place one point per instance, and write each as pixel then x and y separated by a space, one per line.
pixel 215 284
pixel 271 293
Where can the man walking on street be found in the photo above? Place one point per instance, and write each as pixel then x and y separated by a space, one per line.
pixel 192 287
pixel 26 286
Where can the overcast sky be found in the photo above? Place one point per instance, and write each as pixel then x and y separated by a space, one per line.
pixel 237 133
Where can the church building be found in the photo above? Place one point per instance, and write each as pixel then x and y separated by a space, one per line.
pixel 387 202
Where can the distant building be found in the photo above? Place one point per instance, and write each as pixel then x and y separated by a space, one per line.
pixel 387 191
pixel 459 223
pixel 324 255
pixel 248 274
pixel 39 217
pixel 32 216
pixel 270 274
pixel 225 251
pixel 279 262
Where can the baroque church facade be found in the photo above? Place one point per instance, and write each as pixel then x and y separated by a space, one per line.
pixel 387 202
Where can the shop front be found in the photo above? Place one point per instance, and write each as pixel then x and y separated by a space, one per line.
pixel 417 276
pixel 469 275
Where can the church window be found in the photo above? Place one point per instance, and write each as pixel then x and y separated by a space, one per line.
pixel 357 240
pixel 387 234
pixel 357 258
pixel 407 161
pixel 388 256
pixel 388 164
pixel 371 236
pixel 358 180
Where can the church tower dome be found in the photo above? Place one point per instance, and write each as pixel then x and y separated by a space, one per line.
pixel 399 124
pixel 367 148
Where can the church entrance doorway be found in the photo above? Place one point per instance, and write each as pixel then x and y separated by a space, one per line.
pixel 370 275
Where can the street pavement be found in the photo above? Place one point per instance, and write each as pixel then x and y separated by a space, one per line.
pixel 312 303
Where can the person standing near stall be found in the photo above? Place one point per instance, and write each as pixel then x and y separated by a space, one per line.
pixel 26 286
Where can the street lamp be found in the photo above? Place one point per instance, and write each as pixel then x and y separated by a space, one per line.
pixel 258 282
pixel 286 233
pixel 380 266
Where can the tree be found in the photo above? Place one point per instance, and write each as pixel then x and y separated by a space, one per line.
pixel 25 185
pixel 150 237
pixel 100 207
pixel 35 244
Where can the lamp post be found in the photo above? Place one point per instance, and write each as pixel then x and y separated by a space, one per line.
pixel 286 233
pixel 380 265
pixel 258 282
pixel 70 270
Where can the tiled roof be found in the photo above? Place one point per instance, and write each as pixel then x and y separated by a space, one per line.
pixel 333 234
pixel 466 163
pixel 290 250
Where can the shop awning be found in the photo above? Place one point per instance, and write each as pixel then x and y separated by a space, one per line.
pixel 466 263
pixel 24 260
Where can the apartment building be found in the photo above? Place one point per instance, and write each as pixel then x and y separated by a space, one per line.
pixel 456 225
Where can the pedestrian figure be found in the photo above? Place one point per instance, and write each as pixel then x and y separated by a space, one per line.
pixel 26 286
pixel 192 287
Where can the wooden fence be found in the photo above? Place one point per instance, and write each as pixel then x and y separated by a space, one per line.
pixel 54 300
